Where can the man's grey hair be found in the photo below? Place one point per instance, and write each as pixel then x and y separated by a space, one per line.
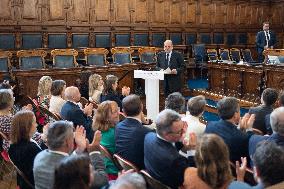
pixel 57 134
pixel 176 102
pixel 277 121
pixel 129 181
pixel 165 120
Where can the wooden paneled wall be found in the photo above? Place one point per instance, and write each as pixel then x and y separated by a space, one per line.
pixel 143 15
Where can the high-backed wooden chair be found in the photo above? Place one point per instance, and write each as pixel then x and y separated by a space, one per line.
pixel 224 54
pixel 5 61
pixel 200 57
pixel 212 54
pixel 147 54
pixel 64 58
pixel 51 117
pixel 153 183
pixel 247 55
pixel 108 155
pixel 96 56
pixel 126 165
pixel 31 59
pixel 235 54
pixel 121 55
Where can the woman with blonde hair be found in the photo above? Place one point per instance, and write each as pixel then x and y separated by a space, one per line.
pixel 213 165
pixel 43 99
pixel 43 91
pixel 96 87
pixel 106 118
pixel 23 149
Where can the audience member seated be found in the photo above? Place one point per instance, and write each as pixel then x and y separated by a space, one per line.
pixel 213 165
pixel 42 99
pixel 277 124
pixel 130 133
pixel 267 117
pixel 176 102
pixel 72 112
pixel 268 167
pixel 105 120
pixel 268 98
pixel 6 104
pixel 129 181
pixel 110 91
pixel 60 142
pixel 269 163
pixel 227 127
pixel 162 160
pixel 74 172
pixel 195 107
pixel 96 87
pixel 23 149
pixel 57 96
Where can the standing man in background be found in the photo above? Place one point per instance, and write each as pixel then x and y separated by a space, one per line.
pixel 264 40
pixel 173 64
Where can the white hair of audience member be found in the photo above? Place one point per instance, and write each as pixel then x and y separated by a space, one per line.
pixel 129 181
pixel 277 121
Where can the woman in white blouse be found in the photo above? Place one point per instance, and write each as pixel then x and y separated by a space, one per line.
pixel 57 98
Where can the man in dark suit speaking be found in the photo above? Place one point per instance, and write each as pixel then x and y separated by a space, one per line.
pixel 173 64
pixel 264 39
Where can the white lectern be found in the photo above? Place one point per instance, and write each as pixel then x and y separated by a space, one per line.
pixel 151 90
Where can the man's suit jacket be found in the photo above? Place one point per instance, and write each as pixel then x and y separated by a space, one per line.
pixel 260 113
pixel 255 139
pixel 72 112
pixel 129 141
pixel 176 62
pixel 236 140
pixel 261 40
pixel 46 162
pixel 163 162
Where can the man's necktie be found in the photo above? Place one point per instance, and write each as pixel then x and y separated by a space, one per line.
pixel 167 59
pixel 266 37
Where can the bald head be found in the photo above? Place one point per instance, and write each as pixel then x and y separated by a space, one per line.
pixel 72 94
pixel 277 120
pixel 168 46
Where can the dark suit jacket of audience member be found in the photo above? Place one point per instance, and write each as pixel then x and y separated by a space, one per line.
pixel 268 125
pixel 23 155
pixel 255 139
pixel 46 162
pixel 129 141
pixel 72 112
pixel 113 97
pixel 260 113
pixel 172 82
pixel 163 162
pixel 236 140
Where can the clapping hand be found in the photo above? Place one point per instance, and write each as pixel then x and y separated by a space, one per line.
pixel 95 145
pixel 80 139
pixel 125 91
pixel 247 121
pixel 241 170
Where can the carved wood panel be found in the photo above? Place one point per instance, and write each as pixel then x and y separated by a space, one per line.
pixel 30 9
pixel 191 12
pixel 56 9
pixel 176 12
pixel 159 11
pixel 205 13
pixel 100 11
pixel 122 10
pixel 141 11
pixel 5 9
